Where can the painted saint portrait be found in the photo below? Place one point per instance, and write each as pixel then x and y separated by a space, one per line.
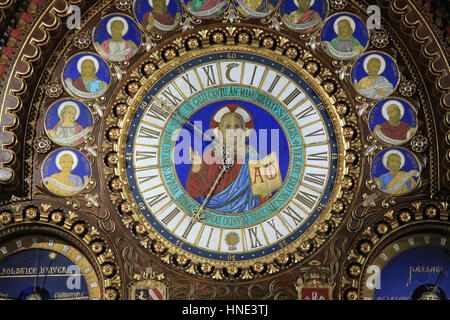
pixel 206 9
pixel 86 75
pixel 157 15
pixel 304 15
pixel 255 174
pixel 68 122
pixel 66 172
pixel 344 36
pixel 117 38
pixel 393 121
pixel 375 75
pixel 256 8
pixel 395 171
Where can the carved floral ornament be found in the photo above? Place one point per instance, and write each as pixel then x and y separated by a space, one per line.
pixel 123 80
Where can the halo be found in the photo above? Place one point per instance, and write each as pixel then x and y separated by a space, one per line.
pixel 92 58
pixel 376 56
pixel 296 3
pixel 150 2
pixel 388 153
pixel 125 25
pixel 72 154
pixel 388 103
pixel 69 103
pixel 349 19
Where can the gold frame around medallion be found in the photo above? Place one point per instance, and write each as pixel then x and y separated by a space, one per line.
pixel 300 248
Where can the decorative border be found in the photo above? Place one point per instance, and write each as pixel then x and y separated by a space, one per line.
pixel 35 217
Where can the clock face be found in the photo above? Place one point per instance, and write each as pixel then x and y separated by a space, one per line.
pixel 231 156
pixel 43 268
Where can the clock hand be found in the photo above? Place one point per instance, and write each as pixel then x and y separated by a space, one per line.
pixel 228 162
pixel 441 273
pixel 37 271
pixel 52 256
pixel 169 108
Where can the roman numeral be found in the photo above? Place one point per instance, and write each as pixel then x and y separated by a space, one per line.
pixel 157 112
pixel 145 179
pixel 318 132
pixel 188 229
pixel 278 234
pixel 253 75
pixel 252 234
pixel 320 156
pixel 306 113
pixel 170 216
pixel 146 132
pixel 192 88
pixel 171 97
pixel 291 213
pixel 156 199
pixel 294 94
pixel 274 83
pixel 315 178
pixel 306 198
pixel 145 155
pixel 211 78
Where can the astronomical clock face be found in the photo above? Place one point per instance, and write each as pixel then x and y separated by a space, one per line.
pixel 252 149
pixel 230 156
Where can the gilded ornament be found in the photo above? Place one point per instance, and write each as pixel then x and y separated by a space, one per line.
pixel 5 217
pixel 115 184
pixel 79 228
pixel 140 229
pixel 291 53
pixel 338 4
pixel 380 39
pixel 342 109
pixel 97 247
pixel 365 247
pixel 218 37
pixel 404 216
pixel 268 43
pixel 351 294
pixel 382 228
pixel 53 89
pixel 82 40
pixel 57 217
pixel 133 87
pixel 108 269
pixel 170 54
pixel 148 69
pixel 431 212
pixel 243 37
pixel 354 270
pixel 111 294
pixel 407 88
pixel 31 213
pixel 193 43
pixel 42 144
pixel 419 144
pixel 120 109
pixel 338 206
pixel 113 133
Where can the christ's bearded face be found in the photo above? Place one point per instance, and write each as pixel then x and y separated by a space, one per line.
pixel 232 128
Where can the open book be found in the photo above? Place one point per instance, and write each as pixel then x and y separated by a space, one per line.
pixel 265 175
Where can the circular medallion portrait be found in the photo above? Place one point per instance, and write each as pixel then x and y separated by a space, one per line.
pixel 375 75
pixel 66 172
pixel 256 8
pixel 117 37
pixel 156 16
pixel 206 9
pixel 393 121
pixel 86 76
pixel 303 15
pixel 68 122
pixel 395 171
pixel 344 36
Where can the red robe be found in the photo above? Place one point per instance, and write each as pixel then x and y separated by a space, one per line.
pixel 199 183
pixel 165 18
